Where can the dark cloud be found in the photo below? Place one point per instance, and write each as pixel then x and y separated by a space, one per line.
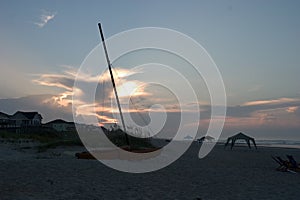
pixel 247 110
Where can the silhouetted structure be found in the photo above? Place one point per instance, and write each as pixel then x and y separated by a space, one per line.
pixel 26 119
pixel 20 122
pixel 61 125
pixel 240 136
pixel 206 138
pixel 5 121
pixel 20 119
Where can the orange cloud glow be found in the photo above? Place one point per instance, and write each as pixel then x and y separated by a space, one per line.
pixel 274 101
pixel 292 109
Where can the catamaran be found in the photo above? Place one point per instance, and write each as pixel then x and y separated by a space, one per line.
pixel 118 153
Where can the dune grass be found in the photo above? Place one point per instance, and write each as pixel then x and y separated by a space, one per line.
pixel 46 139
pixel 39 137
pixel 52 139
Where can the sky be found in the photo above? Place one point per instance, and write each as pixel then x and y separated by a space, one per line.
pixel 255 45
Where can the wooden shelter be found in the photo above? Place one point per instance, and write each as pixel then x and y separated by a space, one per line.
pixel 240 136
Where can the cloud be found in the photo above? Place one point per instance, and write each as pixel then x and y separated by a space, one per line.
pixel 55 80
pixel 292 109
pixel 45 17
pixel 40 103
pixel 272 115
pixel 65 82
pixel 268 102
pixel 135 95
pixel 262 117
pixel 280 107
pixel 268 114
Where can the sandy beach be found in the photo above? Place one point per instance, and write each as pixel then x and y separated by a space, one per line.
pixel 224 174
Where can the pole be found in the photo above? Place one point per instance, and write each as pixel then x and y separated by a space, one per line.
pixel 113 82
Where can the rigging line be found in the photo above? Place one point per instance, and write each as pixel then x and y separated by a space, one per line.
pixel 103 98
pixel 130 99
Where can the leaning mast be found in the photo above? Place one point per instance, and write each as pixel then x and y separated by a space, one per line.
pixel 113 82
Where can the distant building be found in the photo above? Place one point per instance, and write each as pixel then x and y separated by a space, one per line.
pixel 5 121
pixel 188 137
pixel 20 122
pixel 60 125
pixel 26 119
pixel 31 122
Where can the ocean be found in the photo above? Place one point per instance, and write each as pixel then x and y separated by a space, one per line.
pixel 279 143
pixel 271 143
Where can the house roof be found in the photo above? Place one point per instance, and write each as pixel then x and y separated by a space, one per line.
pixel 59 121
pixel 28 115
pixel 4 115
pixel 241 135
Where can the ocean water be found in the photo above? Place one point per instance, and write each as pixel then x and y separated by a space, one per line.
pixel 279 143
pixel 271 143
pixel 262 143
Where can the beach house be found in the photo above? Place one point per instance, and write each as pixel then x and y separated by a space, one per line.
pixel 26 119
pixel 20 121
pixel 5 121
pixel 61 125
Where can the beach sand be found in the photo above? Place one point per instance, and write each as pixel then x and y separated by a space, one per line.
pixel 224 174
